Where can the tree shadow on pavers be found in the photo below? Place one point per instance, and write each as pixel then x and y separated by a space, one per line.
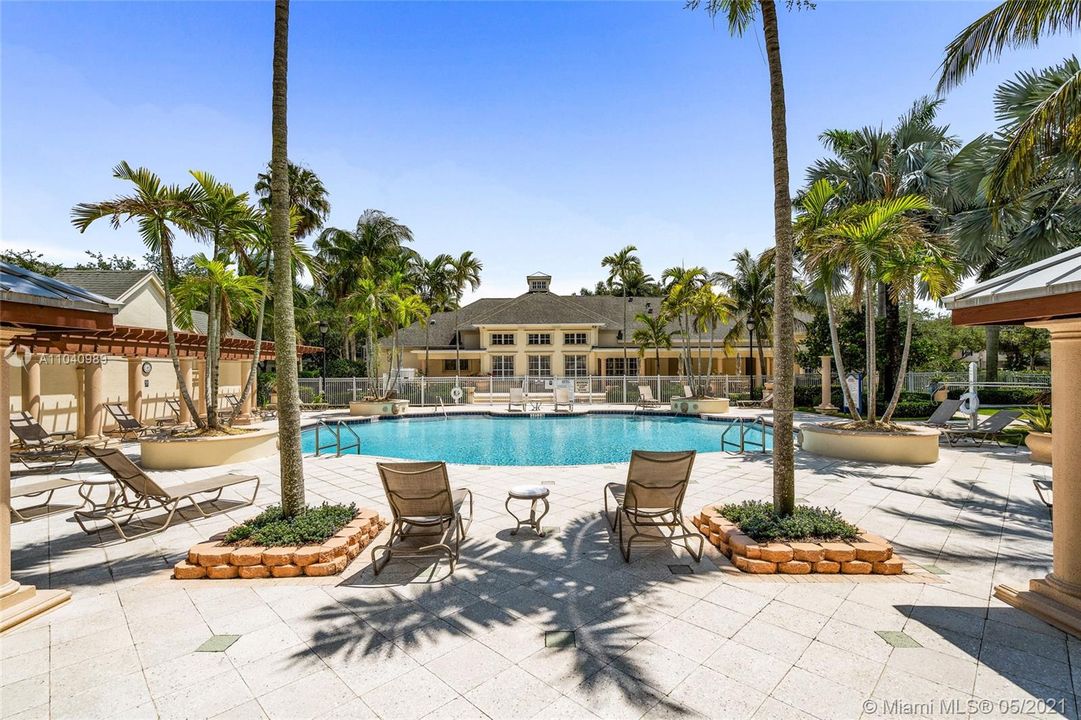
pixel 516 595
pixel 1028 658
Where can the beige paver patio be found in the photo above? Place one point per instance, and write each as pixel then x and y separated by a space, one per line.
pixel 416 642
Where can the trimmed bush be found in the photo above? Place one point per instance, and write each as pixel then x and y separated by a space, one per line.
pixel 757 519
pixel 310 526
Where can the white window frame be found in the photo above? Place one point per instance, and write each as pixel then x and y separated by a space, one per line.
pixel 581 366
pixel 534 363
pixel 611 363
pixel 572 338
pixel 530 339
pixel 505 339
pixel 502 370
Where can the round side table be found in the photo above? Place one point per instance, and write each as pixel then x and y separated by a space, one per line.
pixel 534 494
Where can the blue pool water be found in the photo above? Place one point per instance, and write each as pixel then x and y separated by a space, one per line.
pixel 577 440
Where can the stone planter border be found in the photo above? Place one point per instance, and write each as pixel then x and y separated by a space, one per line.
pixel 870 555
pixel 917 446
pixel 215 561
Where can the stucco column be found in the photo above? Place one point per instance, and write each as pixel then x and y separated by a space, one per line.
pixel 245 417
pixel 827 375
pixel 31 386
pixel 1057 597
pixel 18 602
pixel 135 387
pixel 185 374
pixel 93 410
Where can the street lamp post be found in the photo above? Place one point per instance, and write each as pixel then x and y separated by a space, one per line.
pixel 424 377
pixel 324 328
pixel 750 356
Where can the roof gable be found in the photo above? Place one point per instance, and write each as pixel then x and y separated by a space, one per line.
pixel 113 284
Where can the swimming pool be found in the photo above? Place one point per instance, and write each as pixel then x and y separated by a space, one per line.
pixel 562 440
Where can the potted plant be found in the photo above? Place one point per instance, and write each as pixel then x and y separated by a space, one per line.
pixel 1038 439
pixel 938 388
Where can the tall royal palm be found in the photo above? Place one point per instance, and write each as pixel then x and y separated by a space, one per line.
pixel 740 15
pixel 285 331
pixel 751 288
pixel 308 198
pixel 157 208
pixel 652 332
pixel 622 266
pixel 464 273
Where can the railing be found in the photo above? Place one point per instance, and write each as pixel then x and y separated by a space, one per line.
pixel 920 381
pixel 336 432
pixel 744 426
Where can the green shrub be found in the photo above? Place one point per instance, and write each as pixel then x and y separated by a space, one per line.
pixel 757 519
pixel 310 526
pixel 1003 395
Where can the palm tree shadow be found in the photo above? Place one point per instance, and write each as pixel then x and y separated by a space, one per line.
pixel 564 600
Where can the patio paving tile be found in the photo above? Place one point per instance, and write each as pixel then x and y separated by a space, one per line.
pixel 418 641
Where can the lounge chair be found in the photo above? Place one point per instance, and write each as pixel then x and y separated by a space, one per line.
pixel 687 392
pixel 563 397
pixel 127 425
pixel 765 402
pixel 652 497
pixel 517 399
pixel 35 444
pixel 420 496
pixel 645 398
pixel 1043 489
pixel 988 430
pixel 141 494
pixel 173 418
pixel 46 488
pixel 940 418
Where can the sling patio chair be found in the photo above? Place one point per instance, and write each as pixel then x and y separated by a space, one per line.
pixel 645 398
pixel 517 399
pixel 127 425
pixel 989 430
pixel 687 392
pixel 422 504
pixel 765 402
pixel 942 415
pixel 141 494
pixel 234 402
pixel 652 497
pixel 1044 491
pixel 563 397
pixel 26 513
pixel 35 444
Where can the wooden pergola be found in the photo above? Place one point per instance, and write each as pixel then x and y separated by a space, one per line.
pixel 1046 294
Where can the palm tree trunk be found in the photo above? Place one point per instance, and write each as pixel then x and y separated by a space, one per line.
pixel 709 370
pixel 835 341
pixel 170 335
pixel 784 342
pixel 285 331
pixel 213 358
pixel 904 359
pixel 991 361
pixel 250 381
pixel 657 349
pixel 872 352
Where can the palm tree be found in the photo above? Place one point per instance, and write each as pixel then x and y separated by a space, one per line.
pixel 751 290
pixel 710 309
pixel 403 309
pixel 622 266
pixel 224 219
pixel 434 281
pixel 237 294
pixel 285 332
pixel 157 208
pixel 652 333
pixel 740 15
pixel 307 196
pixel 464 272
pixel 679 303
pixel 1052 124
pixel 375 246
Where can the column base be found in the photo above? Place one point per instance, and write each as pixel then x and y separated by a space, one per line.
pixel 1044 601
pixel 244 420
pixel 26 603
pixel 825 408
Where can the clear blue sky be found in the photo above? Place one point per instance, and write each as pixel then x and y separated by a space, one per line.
pixel 540 135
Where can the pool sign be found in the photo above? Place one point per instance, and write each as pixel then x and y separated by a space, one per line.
pixel 855 390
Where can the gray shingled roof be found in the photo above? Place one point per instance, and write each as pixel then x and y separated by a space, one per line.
pixel 536 308
pixel 107 283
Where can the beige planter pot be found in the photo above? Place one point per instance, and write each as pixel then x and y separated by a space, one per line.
pixel 693 406
pixel 186 453
pixel 378 407
pixel 918 447
pixel 940 395
pixel 1039 444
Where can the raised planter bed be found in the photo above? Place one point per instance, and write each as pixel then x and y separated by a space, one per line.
pixel 916 446
pixel 696 406
pixel 216 561
pixel 869 555
pixel 378 407
pixel 198 452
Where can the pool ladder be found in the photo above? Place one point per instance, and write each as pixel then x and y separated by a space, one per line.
pixel 744 427
pixel 336 432
pixel 440 406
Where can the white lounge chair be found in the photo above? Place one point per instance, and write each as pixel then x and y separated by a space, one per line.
pixel 517 399
pixel 645 398
pixel 563 397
